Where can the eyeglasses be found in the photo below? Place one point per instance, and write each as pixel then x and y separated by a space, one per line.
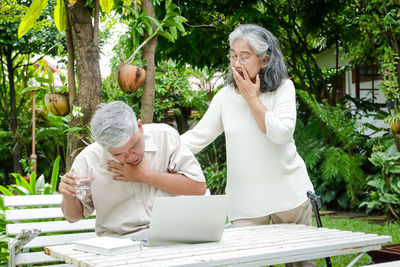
pixel 242 59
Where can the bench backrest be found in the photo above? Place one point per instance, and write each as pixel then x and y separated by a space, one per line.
pixel 23 213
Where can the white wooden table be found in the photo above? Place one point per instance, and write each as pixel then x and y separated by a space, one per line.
pixel 252 246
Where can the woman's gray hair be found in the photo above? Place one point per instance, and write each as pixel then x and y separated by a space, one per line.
pixel 263 43
pixel 113 124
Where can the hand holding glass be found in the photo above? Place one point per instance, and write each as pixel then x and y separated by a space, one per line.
pixel 83 180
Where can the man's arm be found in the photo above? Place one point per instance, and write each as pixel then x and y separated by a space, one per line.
pixel 175 183
pixel 71 205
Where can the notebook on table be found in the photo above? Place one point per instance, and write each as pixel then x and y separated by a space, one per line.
pixel 108 245
pixel 187 219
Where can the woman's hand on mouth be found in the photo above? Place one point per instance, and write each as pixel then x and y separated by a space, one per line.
pixel 247 89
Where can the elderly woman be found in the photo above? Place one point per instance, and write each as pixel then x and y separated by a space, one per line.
pixel 267 179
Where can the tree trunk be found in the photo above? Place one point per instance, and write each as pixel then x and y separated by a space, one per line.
pixel 182 120
pixel 12 118
pixel 86 55
pixel 72 140
pixel 148 56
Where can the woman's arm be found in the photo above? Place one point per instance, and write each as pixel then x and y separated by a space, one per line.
pixel 207 130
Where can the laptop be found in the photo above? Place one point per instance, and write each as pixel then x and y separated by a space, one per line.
pixel 187 219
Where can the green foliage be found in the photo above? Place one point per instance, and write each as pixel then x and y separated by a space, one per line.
pixel 209 23
pixel 36 8
pixel 33 187
pixel 45 77
pixel 31 16
pixel 390 84
pixel 51 140
pixel 16 68
pixel 216 178
pixel 213 162
pixel 5 144
pixel 384 186
pixel 60 16
pixel 107 5
pixel 334 150
pixel 375 28
pixel 139 24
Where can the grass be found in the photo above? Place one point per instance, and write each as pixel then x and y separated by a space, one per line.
pixel 357 225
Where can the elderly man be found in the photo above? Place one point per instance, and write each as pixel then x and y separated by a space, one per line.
pixel 132 164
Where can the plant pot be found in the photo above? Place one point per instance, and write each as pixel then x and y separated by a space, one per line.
pixel 130 77
pixel 57 104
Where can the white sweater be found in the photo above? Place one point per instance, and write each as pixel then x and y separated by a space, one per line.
pixel 265 174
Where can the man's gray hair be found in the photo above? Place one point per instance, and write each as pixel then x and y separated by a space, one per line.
pixel 263 43
pixel 113 124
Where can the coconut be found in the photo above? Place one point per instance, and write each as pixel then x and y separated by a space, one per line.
pixel 57 104
pixel 130 77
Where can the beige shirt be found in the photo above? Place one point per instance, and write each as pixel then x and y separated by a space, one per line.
pixel 125 207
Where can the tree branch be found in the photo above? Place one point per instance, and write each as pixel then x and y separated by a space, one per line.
pixel 141 45
pixel 200 26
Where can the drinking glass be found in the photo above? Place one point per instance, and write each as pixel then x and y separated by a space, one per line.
pixel 84 179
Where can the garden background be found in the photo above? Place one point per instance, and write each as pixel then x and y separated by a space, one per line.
pixel 353 163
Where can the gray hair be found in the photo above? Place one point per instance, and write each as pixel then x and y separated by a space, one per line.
pixel 113 124
pixel 263 43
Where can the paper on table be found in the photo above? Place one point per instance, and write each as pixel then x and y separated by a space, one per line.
pixel 108 245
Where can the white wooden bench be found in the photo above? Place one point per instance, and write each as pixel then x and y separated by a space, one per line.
pixel 22 215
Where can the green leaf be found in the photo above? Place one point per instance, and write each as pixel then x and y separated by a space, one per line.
pixel 395 188
pixel 168 6
pixel 40 184
pixel 180 26
pixel 107 5
pixel 135 14
pixel 5 191
pixel 173 32
pixel 19 189
pixel 43 80
pixel 155 21
pixel 32 182
pixel 29 19
pixel 343 200
pixel 149 28
pixel 60 16
pixel 143 14
pixel 140 30
pixel 20 181
pixel 390 198
pixel 73 129
pixel 32 88
pixel 47 189
pixel 168 36
pixel 60 50
pixel 54 174
pixel 2 204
